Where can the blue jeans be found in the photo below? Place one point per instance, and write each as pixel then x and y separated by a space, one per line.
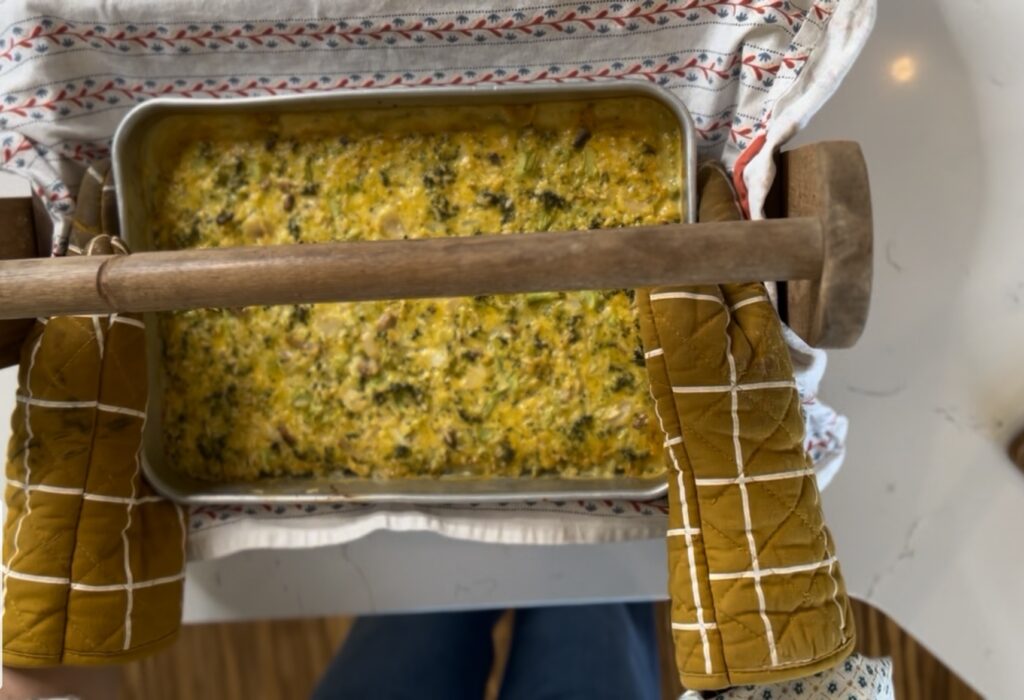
pixel 586 652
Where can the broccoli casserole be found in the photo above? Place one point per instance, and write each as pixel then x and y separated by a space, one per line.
pixel 519 385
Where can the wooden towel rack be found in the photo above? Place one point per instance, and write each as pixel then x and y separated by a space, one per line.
pixel 821 245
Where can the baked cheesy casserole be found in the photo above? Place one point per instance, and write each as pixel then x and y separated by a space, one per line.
pixel 498 386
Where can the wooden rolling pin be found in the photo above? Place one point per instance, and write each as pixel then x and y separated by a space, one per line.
pixel 643 256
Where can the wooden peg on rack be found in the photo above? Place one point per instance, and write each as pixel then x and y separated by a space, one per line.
pixel 829 181
pixel 823 246
pixel 1017 451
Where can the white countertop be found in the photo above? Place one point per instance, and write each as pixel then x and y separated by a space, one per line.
pixel 928 511
pixel 387 572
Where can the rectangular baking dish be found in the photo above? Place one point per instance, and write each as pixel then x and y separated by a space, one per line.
pixel 130 151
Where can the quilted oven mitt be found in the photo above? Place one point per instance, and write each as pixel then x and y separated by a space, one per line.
pixel 757 594
pixel 92 559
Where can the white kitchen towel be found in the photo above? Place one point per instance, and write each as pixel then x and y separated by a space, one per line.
pixel 752 72
pixel 217 531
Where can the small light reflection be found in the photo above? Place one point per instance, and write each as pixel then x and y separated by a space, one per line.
pixel 903 69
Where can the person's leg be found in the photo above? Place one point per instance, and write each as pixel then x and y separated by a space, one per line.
pixel 589 652
pixel 407 657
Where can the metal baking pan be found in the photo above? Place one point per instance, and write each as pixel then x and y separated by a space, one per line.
pixel 130 154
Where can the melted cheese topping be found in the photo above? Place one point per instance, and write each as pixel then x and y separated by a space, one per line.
pixel 519 385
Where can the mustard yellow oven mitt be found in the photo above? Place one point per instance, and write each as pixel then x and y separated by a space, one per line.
pixel 93 560
pixel 757 593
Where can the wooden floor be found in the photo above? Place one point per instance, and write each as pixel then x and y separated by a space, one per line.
pixel 282 661
pixel 918 674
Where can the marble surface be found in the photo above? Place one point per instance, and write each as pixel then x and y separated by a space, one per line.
pixel 928 511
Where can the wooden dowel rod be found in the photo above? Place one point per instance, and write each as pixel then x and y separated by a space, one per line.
pixel 646 256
